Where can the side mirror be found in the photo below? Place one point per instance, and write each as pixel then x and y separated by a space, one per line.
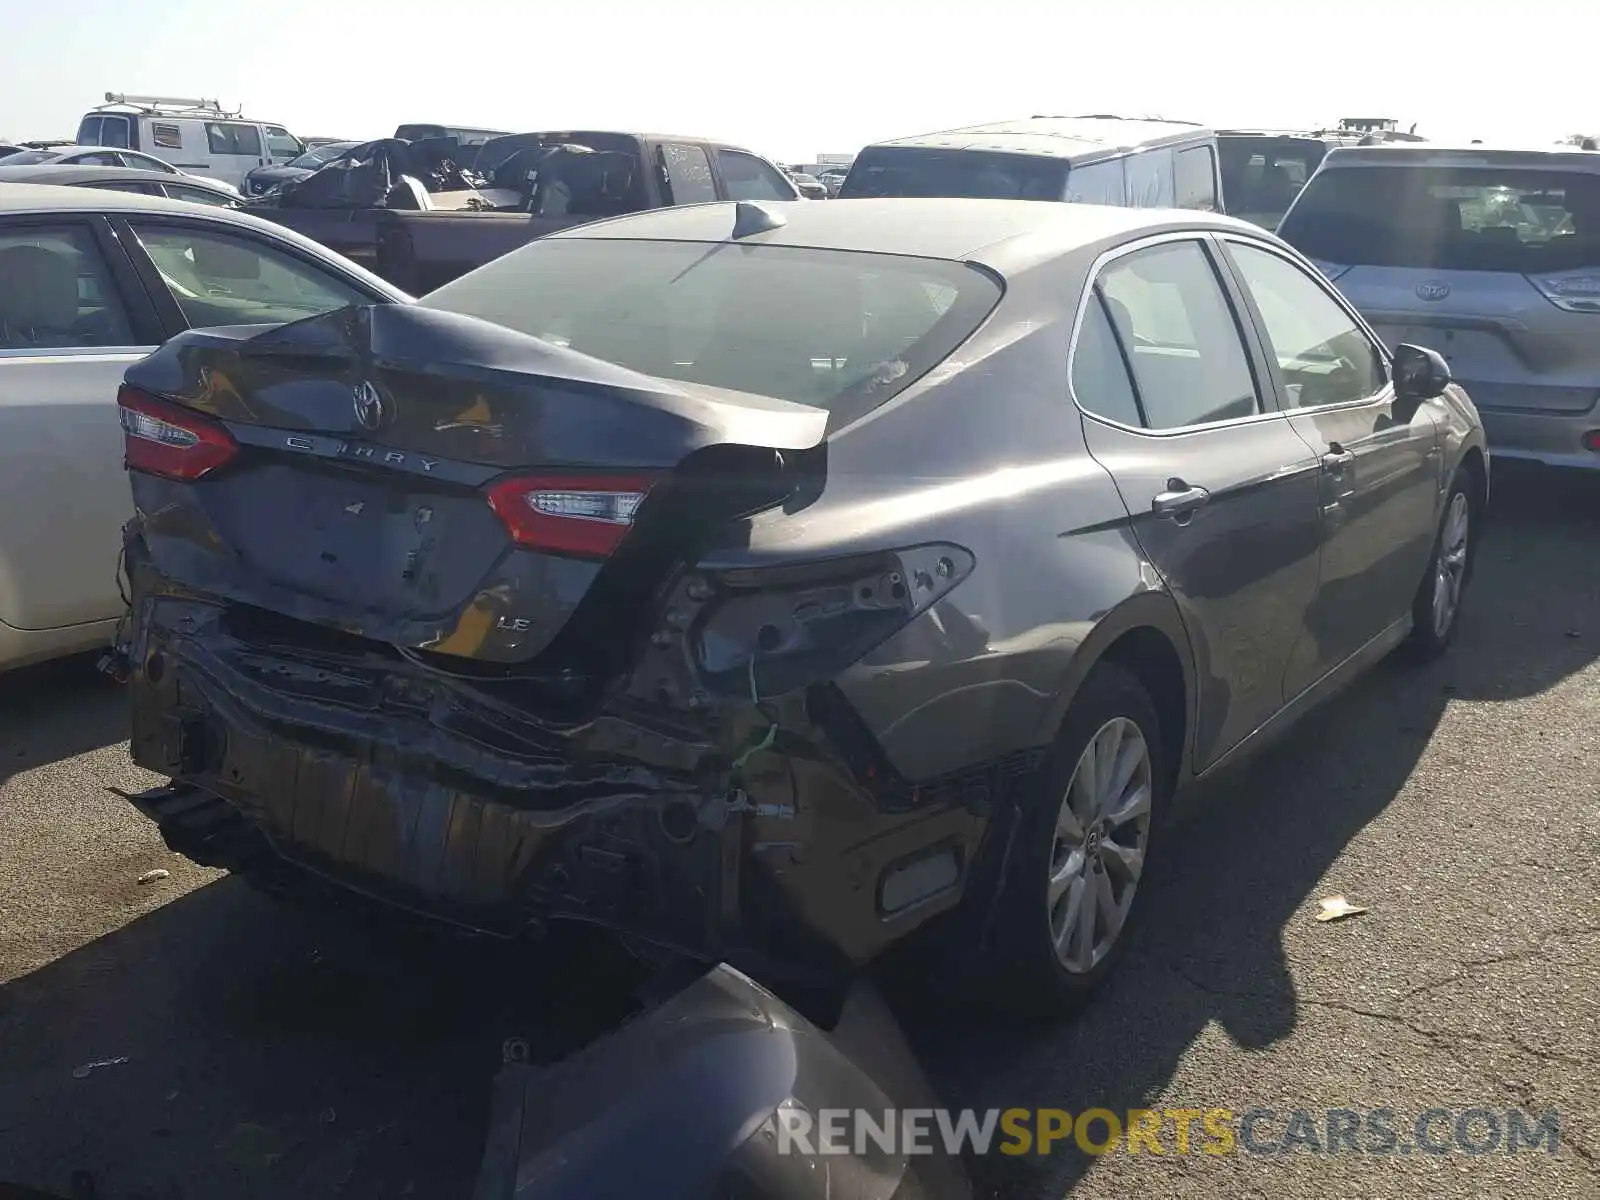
pixel 1419 373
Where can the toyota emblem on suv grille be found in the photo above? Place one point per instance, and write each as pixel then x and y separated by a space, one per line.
pixel 1433 289
pixel 369 406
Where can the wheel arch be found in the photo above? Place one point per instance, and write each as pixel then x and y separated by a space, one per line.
pixel 1145 636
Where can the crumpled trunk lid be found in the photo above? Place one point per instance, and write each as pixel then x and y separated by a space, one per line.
pixel 378 448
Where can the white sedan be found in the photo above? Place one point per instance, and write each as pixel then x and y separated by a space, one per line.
pixel 72 155
pixel 91 281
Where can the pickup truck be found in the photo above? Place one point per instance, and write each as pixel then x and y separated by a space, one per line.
pixel 539 183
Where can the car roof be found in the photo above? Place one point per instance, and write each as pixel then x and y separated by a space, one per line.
pixel 41 173
pixel 50 198
pixel 1007 235
pixel 1445 154
pixel 1055 137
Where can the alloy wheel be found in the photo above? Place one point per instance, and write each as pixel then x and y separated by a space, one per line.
pixel 1102 832
pixel 1452 569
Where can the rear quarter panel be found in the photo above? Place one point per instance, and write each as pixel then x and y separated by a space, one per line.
pixel 985 452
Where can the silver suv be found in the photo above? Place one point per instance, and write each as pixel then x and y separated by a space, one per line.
pixel 1492 258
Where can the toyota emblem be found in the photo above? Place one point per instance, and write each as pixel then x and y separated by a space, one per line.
pixel 1433 289
pixel 369 406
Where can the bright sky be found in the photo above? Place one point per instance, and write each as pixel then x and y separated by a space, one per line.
pixel 799 77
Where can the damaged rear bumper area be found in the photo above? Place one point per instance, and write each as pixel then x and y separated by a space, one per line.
pixel 764 835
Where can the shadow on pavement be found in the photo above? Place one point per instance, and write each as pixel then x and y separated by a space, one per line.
pixel 33 701
pixel 270 1052
pixel 1243 854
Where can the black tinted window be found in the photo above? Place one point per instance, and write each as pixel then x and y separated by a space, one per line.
pixel 114 131
pixel 1189 361
pixel 1457 218
pixel 1099 373
pixel 1194 178
pixel 89 131
pixel 915 171
pixel 841 330
pixel 687 174
pixel 1261 176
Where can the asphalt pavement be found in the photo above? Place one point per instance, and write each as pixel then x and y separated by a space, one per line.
pixel 256 1051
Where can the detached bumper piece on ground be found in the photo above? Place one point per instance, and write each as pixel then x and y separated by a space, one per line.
pixel 690 1096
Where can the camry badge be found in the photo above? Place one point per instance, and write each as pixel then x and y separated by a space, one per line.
pixel 369 406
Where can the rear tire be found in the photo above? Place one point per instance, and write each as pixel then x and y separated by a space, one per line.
pixel 1436 610
pixel 1084 835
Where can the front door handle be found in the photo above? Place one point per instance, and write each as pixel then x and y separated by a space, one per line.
pixel 1179 500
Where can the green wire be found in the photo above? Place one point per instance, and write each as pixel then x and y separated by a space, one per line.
pixel 767 739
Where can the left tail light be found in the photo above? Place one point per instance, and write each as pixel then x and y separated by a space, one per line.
pixel 162 438
pixel 582 515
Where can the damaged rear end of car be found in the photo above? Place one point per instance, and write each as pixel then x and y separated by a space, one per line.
pixel 416 609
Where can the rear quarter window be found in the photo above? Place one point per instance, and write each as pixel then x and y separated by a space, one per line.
pixel 1194 178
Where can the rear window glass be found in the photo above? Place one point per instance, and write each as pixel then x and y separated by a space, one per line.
pixel 1454 218
pixel 841 330
pixel 1261 176
pixel 114 131
pixel 913 171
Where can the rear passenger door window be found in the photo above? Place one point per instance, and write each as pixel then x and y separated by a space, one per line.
pixel 748 178
pixel 217 278
pixel 1181 336
pixel 137 188
pixel 56 292
pixel 686 175
pixel 1322 354
pixel 1097 183
pixel 233 137
pixel 180 191
pixel 1194 176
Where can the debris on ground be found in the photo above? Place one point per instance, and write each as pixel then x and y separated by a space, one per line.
pixel 155 876
pixel 88 1069
pixel 1337 908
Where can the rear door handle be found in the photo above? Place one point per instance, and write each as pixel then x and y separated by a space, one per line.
pixel 1179 500
pixel 1338 459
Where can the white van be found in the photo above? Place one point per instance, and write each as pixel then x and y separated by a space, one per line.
pixel 1089 160
pixel 196 136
